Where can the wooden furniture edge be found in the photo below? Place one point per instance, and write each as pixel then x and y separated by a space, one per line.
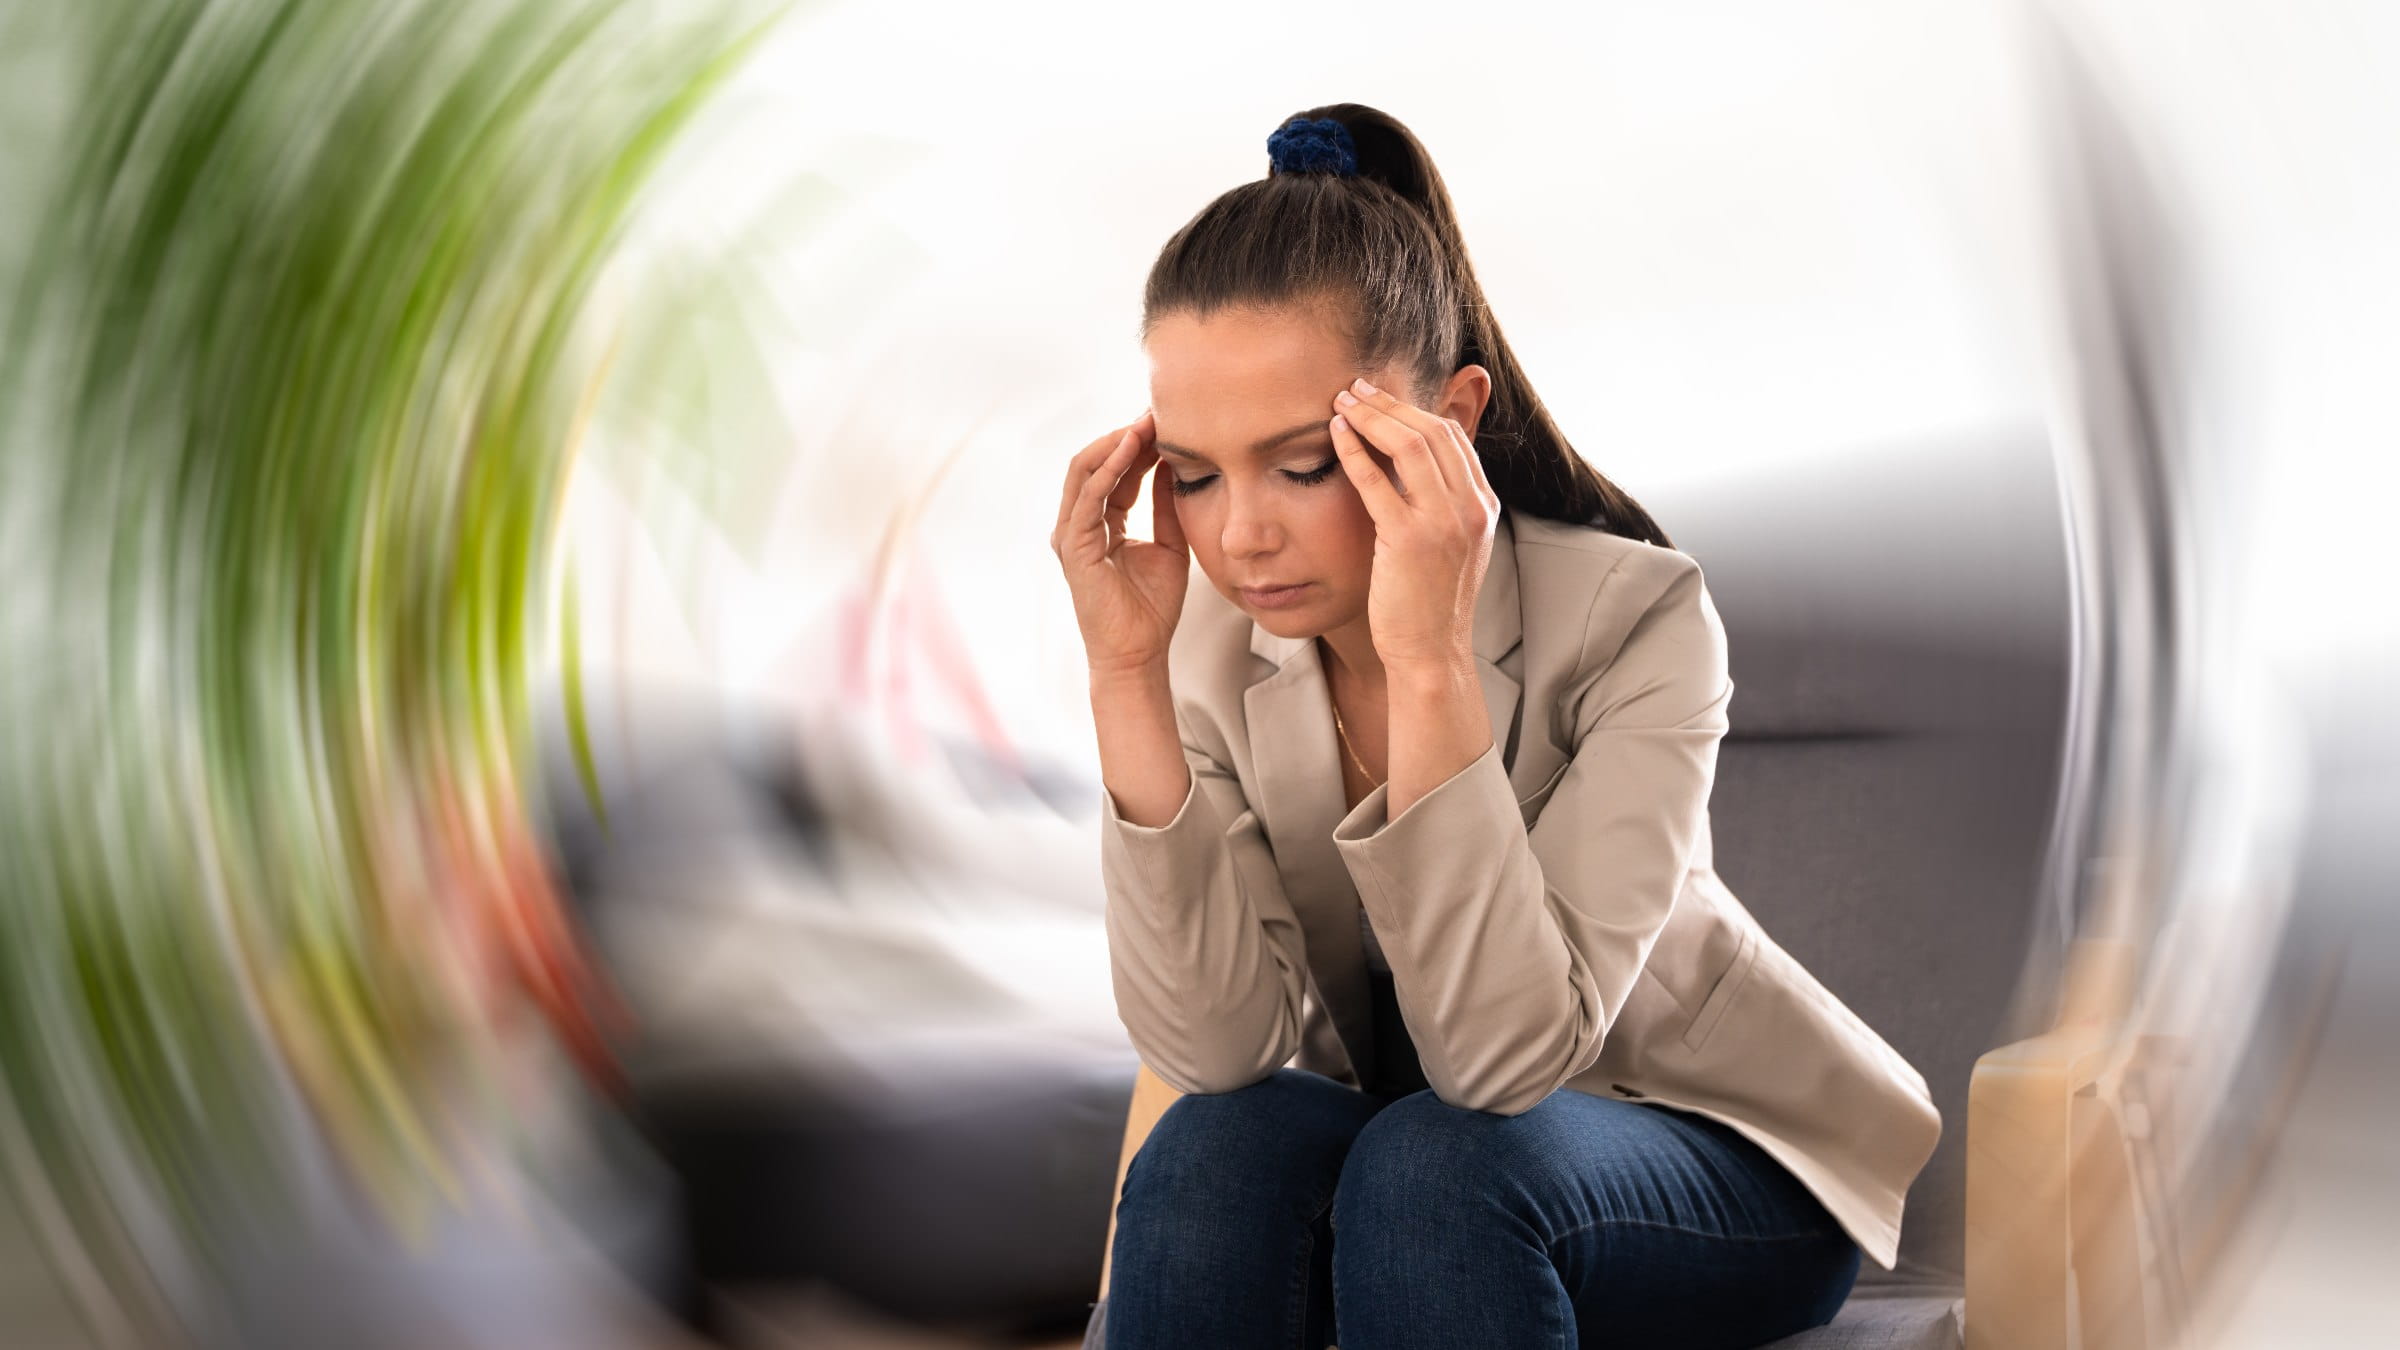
pixel 1151 1098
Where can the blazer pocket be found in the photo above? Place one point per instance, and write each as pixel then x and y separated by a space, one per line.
pixel 1712 1008
pixel 1530 805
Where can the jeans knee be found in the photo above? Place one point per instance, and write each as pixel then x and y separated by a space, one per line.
pixel 1423 1159
pixel 1197 1125
pixel 1287 1132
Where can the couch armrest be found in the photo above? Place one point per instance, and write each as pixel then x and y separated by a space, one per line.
pixel 1151 1098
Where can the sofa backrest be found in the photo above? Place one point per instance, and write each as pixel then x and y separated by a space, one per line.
pixel 1898 627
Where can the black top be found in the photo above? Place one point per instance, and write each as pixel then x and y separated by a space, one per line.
pixel 1396 1071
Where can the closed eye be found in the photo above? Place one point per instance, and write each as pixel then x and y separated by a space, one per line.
pixel 1305 478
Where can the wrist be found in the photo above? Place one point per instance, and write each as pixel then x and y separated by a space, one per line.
pixel 1141 677
pixel 1432 677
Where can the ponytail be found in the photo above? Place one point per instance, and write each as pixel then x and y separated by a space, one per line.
pixel 1381 250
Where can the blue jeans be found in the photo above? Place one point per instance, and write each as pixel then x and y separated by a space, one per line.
pixel 1298 1211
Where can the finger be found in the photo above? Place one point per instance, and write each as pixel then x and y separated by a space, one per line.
pixel 1085 516
pixel 1464 464
pixel 1375 487
pixel 1166 523
pixel 1128 488
pixel 1452 450
pixel 1080 466
pixel 1375 416
pixel 1127 491
pixel 1474 459
pixel 1129 479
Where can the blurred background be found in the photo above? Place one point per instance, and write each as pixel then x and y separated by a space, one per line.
pixel 550 796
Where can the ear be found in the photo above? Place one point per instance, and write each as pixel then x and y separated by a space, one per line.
pixel 1464 397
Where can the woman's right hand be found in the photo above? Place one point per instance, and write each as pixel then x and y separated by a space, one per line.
pixel 1128 592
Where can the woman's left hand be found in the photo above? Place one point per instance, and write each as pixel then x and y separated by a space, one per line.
pixel 1434 517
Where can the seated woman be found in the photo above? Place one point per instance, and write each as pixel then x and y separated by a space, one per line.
pixel 1406 844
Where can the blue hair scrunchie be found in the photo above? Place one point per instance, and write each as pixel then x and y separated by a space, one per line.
pixel 1319 146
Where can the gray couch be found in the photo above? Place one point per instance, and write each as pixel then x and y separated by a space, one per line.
pixel 1883 803
pixel 1899 636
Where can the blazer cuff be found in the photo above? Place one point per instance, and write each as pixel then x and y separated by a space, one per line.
pixel 1475 796
pixel 1183 847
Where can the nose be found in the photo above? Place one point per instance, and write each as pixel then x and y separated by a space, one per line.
pixel 1251 527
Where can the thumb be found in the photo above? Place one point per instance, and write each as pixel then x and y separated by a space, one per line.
pixel 1165 525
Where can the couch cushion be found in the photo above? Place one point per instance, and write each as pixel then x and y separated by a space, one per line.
pixel 967 1187
pixel 1871 1321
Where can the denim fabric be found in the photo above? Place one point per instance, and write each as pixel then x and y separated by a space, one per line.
pixel 1298 1211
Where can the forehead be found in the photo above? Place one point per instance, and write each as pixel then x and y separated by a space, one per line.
pixel 1218 383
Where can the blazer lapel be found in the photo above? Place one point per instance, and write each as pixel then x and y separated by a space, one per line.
pixel 1299 787
pixel 1295 757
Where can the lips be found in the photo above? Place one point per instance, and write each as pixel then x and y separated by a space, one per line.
pixel 1275 597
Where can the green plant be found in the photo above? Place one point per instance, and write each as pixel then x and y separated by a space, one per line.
pixel 298 354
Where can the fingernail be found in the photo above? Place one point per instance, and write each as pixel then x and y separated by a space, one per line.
pixel 1366 388
pixel 1340 423
pixel 1345 398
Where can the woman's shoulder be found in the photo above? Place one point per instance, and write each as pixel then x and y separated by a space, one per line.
pixel 1563 539
pixel 1606 580
pixel 1619 627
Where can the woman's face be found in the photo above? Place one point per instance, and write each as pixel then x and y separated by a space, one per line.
pixel 1243 401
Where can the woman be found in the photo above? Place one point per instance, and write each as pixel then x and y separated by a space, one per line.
pixel 1409 884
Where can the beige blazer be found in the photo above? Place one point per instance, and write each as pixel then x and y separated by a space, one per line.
pixel 1551 913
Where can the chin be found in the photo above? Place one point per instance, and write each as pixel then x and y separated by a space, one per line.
pixel 1287 623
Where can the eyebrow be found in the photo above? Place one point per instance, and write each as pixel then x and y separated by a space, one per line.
pixel 1260 447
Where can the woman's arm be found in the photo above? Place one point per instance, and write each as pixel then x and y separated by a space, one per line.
pixel 1205 952
pixel 1513 951
pixel 1439 725
pixel 1141 753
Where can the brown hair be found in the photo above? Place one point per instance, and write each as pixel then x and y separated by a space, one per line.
pixel 1381 251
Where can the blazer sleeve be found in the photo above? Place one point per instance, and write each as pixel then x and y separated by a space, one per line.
pixel 1513 950
pixel 1205 952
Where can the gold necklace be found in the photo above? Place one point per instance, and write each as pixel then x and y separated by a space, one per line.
pixel 1344 732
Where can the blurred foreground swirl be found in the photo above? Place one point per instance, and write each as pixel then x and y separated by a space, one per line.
pixel 299 349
